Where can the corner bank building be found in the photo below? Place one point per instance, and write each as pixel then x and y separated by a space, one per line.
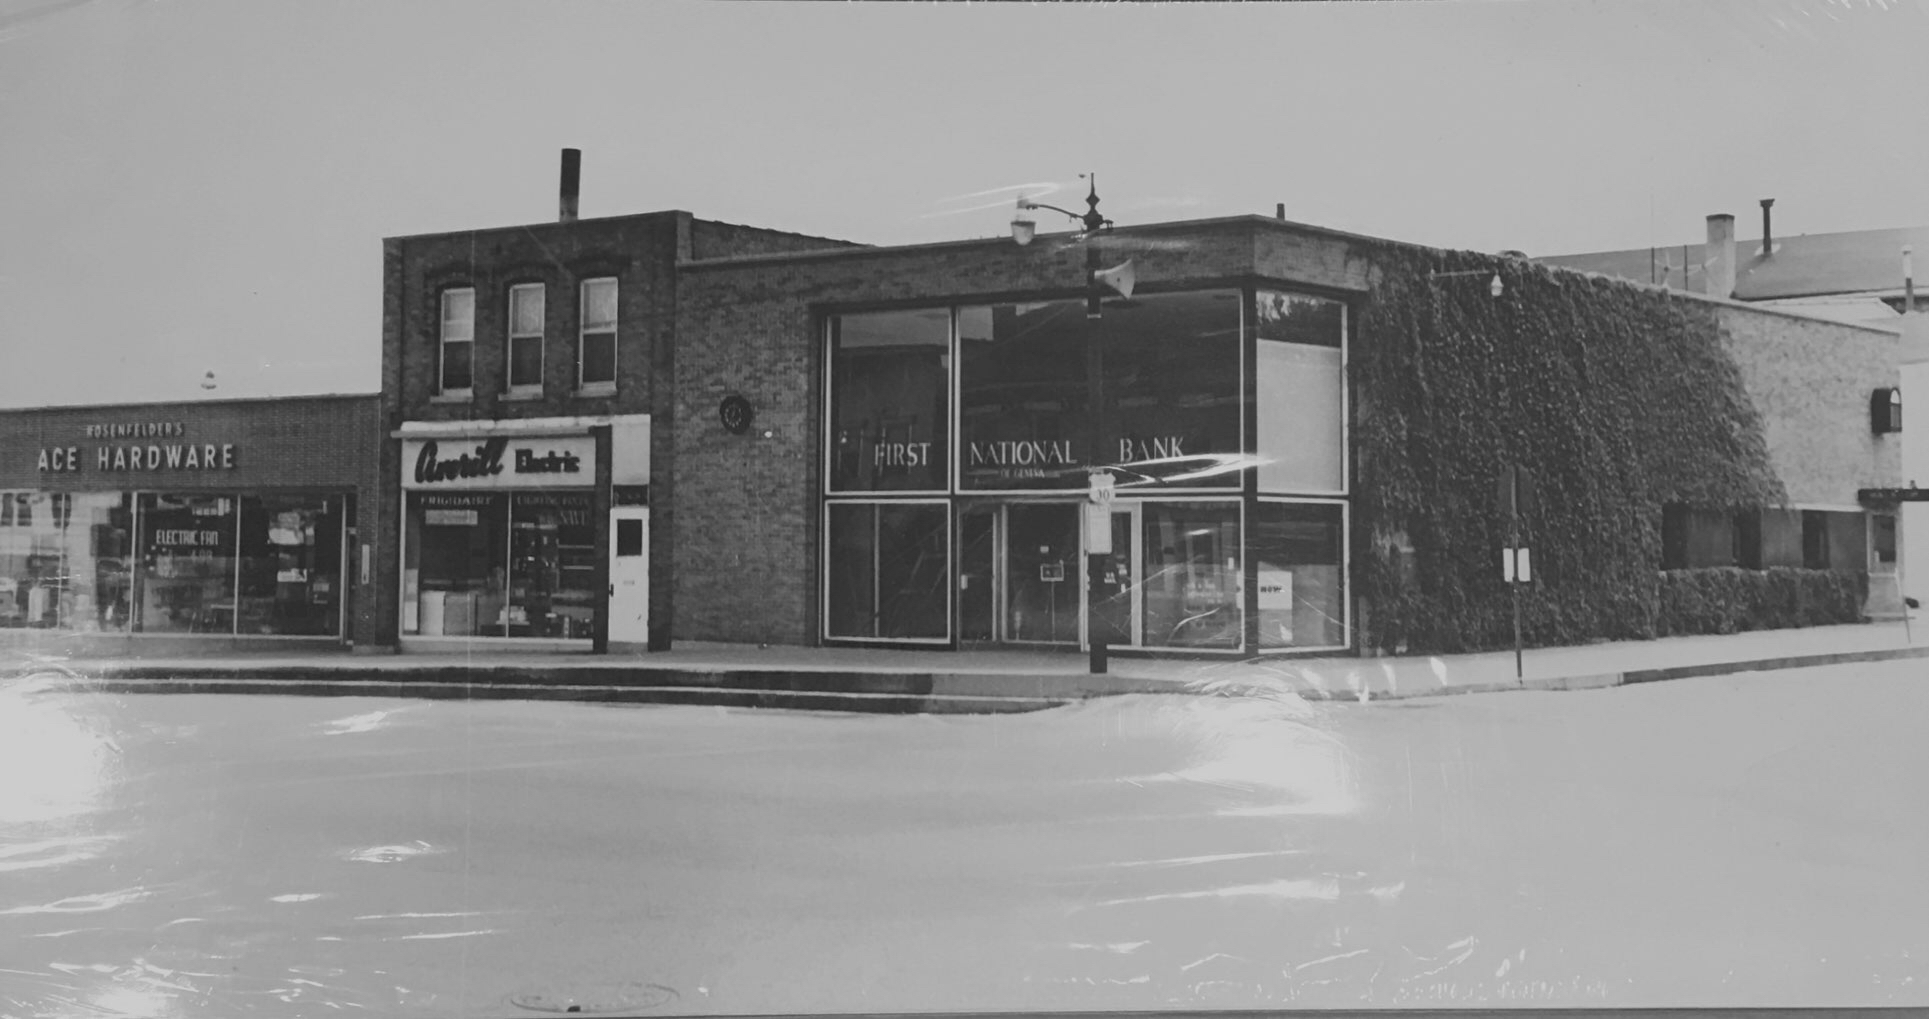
pixel 927 418
pixel 626 432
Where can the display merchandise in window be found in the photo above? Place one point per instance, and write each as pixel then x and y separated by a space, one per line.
pixel 291 565
pixel 186 582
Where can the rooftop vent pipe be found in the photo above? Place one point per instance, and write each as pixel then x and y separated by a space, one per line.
pixel 572 183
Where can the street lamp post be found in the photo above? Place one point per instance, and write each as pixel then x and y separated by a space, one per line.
pixel 1098 508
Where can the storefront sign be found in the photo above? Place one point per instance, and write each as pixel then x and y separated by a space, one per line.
pixel 173 456
pixel 499 462
pixel 1047 458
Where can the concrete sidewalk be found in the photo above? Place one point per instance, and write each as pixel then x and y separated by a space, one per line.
pixel 904 681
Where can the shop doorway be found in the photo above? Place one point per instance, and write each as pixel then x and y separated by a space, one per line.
pixel 629 575
pixel 1022 575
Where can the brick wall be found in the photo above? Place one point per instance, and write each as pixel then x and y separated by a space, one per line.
pixel 1810 381
pixel 640 251
pixel 710 239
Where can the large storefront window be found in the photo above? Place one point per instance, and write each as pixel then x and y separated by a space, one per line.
pixel 187 557
pixel 1301 391
pixel 291 548
pixel 888 571
pixel 552 565
pixel 64 561
pixel 1302 597
pixel 1191 579
pixel 497 564
pixel 890 401
pixel 456 575
pixel 1031 409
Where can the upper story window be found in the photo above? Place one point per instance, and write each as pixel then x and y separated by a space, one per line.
pixel 456 375
pixel 526 338
pixel 596 353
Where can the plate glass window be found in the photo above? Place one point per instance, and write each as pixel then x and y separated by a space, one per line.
pixel 458 340
pixel 597 351
pixel 889 572
pixel 526 338
pixel 890 406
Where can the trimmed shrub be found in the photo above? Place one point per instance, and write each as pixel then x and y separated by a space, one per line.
pixel 1728 599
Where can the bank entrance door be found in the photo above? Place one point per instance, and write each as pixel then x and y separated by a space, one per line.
pixel 1022 579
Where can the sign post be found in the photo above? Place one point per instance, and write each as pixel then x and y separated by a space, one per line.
pixel 1098 547
pixel 1516 495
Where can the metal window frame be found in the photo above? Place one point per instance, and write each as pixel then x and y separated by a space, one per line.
pixel 1346 573
pixel 824 574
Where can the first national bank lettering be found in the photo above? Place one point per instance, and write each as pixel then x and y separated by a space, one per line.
pixel 486 461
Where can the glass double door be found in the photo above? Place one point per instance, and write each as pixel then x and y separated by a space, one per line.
pixel 1022 575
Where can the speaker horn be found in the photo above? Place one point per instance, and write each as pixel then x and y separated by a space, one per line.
pixel 1119 278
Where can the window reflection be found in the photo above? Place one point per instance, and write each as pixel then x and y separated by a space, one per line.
pixel 1191 579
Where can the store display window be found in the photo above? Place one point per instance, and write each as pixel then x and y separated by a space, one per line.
pixel 1302 597
pixel 186 551
pixel 290 575
pixel 552 565
pixel 499 564
pixel 64 561
pixel 1191 586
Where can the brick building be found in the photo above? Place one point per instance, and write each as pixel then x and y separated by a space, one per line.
pixel 183 527
pixel 522 459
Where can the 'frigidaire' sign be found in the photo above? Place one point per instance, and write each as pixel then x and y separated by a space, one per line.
pixel 497 462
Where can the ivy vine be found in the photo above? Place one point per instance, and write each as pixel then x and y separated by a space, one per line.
pixel 1617 398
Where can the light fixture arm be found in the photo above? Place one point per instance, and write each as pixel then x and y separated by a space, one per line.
pixel 1090 218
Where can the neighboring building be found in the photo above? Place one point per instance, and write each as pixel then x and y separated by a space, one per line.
pixel 1851 276
pixel 520 370
pixel 210 525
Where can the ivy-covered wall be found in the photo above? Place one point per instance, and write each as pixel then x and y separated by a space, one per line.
pixel 1617 398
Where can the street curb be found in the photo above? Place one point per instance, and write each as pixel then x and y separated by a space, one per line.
pixel 802 700
pixel 818 690
pixel 1773 664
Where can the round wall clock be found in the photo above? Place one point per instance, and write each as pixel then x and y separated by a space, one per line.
pixel 736 414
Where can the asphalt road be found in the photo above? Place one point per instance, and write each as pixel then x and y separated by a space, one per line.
pixel 1745 841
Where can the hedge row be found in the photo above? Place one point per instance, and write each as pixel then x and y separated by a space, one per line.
pixel 1731 600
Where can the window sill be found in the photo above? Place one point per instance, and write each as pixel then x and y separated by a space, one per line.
pixel 522 395
pixel 597 389
pixel 454 396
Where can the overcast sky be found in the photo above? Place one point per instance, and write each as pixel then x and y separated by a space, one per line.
pixel 189 185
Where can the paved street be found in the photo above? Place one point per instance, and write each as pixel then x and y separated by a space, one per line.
pixel 1749 840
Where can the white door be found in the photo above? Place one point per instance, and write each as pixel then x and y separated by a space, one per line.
pixel 629 574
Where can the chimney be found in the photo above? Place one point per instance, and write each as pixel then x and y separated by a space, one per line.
pixel 1718 259
pixel 572 180
pixel 1279 211
pixel 1768 238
